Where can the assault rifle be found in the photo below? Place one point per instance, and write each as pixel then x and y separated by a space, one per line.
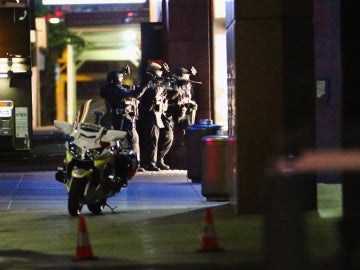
pixel 170 79
pixel 161 78
pixel 196 82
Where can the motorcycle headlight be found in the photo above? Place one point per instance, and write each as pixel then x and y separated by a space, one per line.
pixel 74 150
pixel 93 154
pixel 90 154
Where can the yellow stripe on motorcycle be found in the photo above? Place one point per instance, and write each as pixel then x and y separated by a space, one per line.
pixel 68 156
pixel 100 162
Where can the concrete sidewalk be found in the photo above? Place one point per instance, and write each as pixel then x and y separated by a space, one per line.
pixel 157 224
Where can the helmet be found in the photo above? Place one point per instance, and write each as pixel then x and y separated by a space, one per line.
pixel 113 77
pixel 183 74
pixel 153 67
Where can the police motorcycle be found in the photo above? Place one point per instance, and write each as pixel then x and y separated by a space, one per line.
pixel 98 163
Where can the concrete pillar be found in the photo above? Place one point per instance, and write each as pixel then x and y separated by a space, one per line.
pixel 271 91
pixel 187 33
pixel 187 43
pixel 350 132
pixel 327 70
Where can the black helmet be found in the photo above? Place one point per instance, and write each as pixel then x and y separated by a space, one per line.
pixel 182 74
pixel 153 67
pixel 113 77
pixel 181 71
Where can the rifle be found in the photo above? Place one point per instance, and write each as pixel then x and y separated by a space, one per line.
pixel 166 79
pixel 196 82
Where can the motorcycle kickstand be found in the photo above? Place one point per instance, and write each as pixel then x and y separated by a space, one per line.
pixel 111 208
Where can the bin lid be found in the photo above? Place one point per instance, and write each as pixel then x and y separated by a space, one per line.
pixel 202 126
pixel 218 138
pixel 205 121
pixel 213 138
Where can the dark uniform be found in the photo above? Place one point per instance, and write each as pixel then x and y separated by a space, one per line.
pixel 122 103
pixel 183 108
pixel 156 124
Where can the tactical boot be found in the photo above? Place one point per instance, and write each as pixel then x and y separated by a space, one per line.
pixel 140 169
pixel 152 167
pixel 160 164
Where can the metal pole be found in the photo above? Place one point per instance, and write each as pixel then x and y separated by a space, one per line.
pixel 71 84
pixel 154 10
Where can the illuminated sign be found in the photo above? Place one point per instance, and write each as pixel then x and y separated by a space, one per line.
pixel 21 122
pixel 6 103
pixel 6 108
pixel 90 2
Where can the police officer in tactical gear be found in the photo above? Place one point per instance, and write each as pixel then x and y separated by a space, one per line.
pixel 156 124
pixel 183 108
pixel 122 103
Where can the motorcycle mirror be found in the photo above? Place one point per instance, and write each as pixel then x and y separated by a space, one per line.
pixel 65 127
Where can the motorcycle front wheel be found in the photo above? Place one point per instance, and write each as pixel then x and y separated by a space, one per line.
pixel 97 208
pixel 76 196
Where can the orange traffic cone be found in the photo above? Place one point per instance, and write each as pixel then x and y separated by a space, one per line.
pixel 83 250
pixel 209 240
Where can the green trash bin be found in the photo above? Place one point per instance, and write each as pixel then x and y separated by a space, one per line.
pixel 216 168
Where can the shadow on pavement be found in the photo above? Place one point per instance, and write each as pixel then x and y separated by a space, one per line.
pixel 25 259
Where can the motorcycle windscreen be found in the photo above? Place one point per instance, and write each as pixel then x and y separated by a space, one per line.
pixel 90 111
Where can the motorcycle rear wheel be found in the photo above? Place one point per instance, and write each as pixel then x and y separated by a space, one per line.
pixel 97 208
pixel 76 193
